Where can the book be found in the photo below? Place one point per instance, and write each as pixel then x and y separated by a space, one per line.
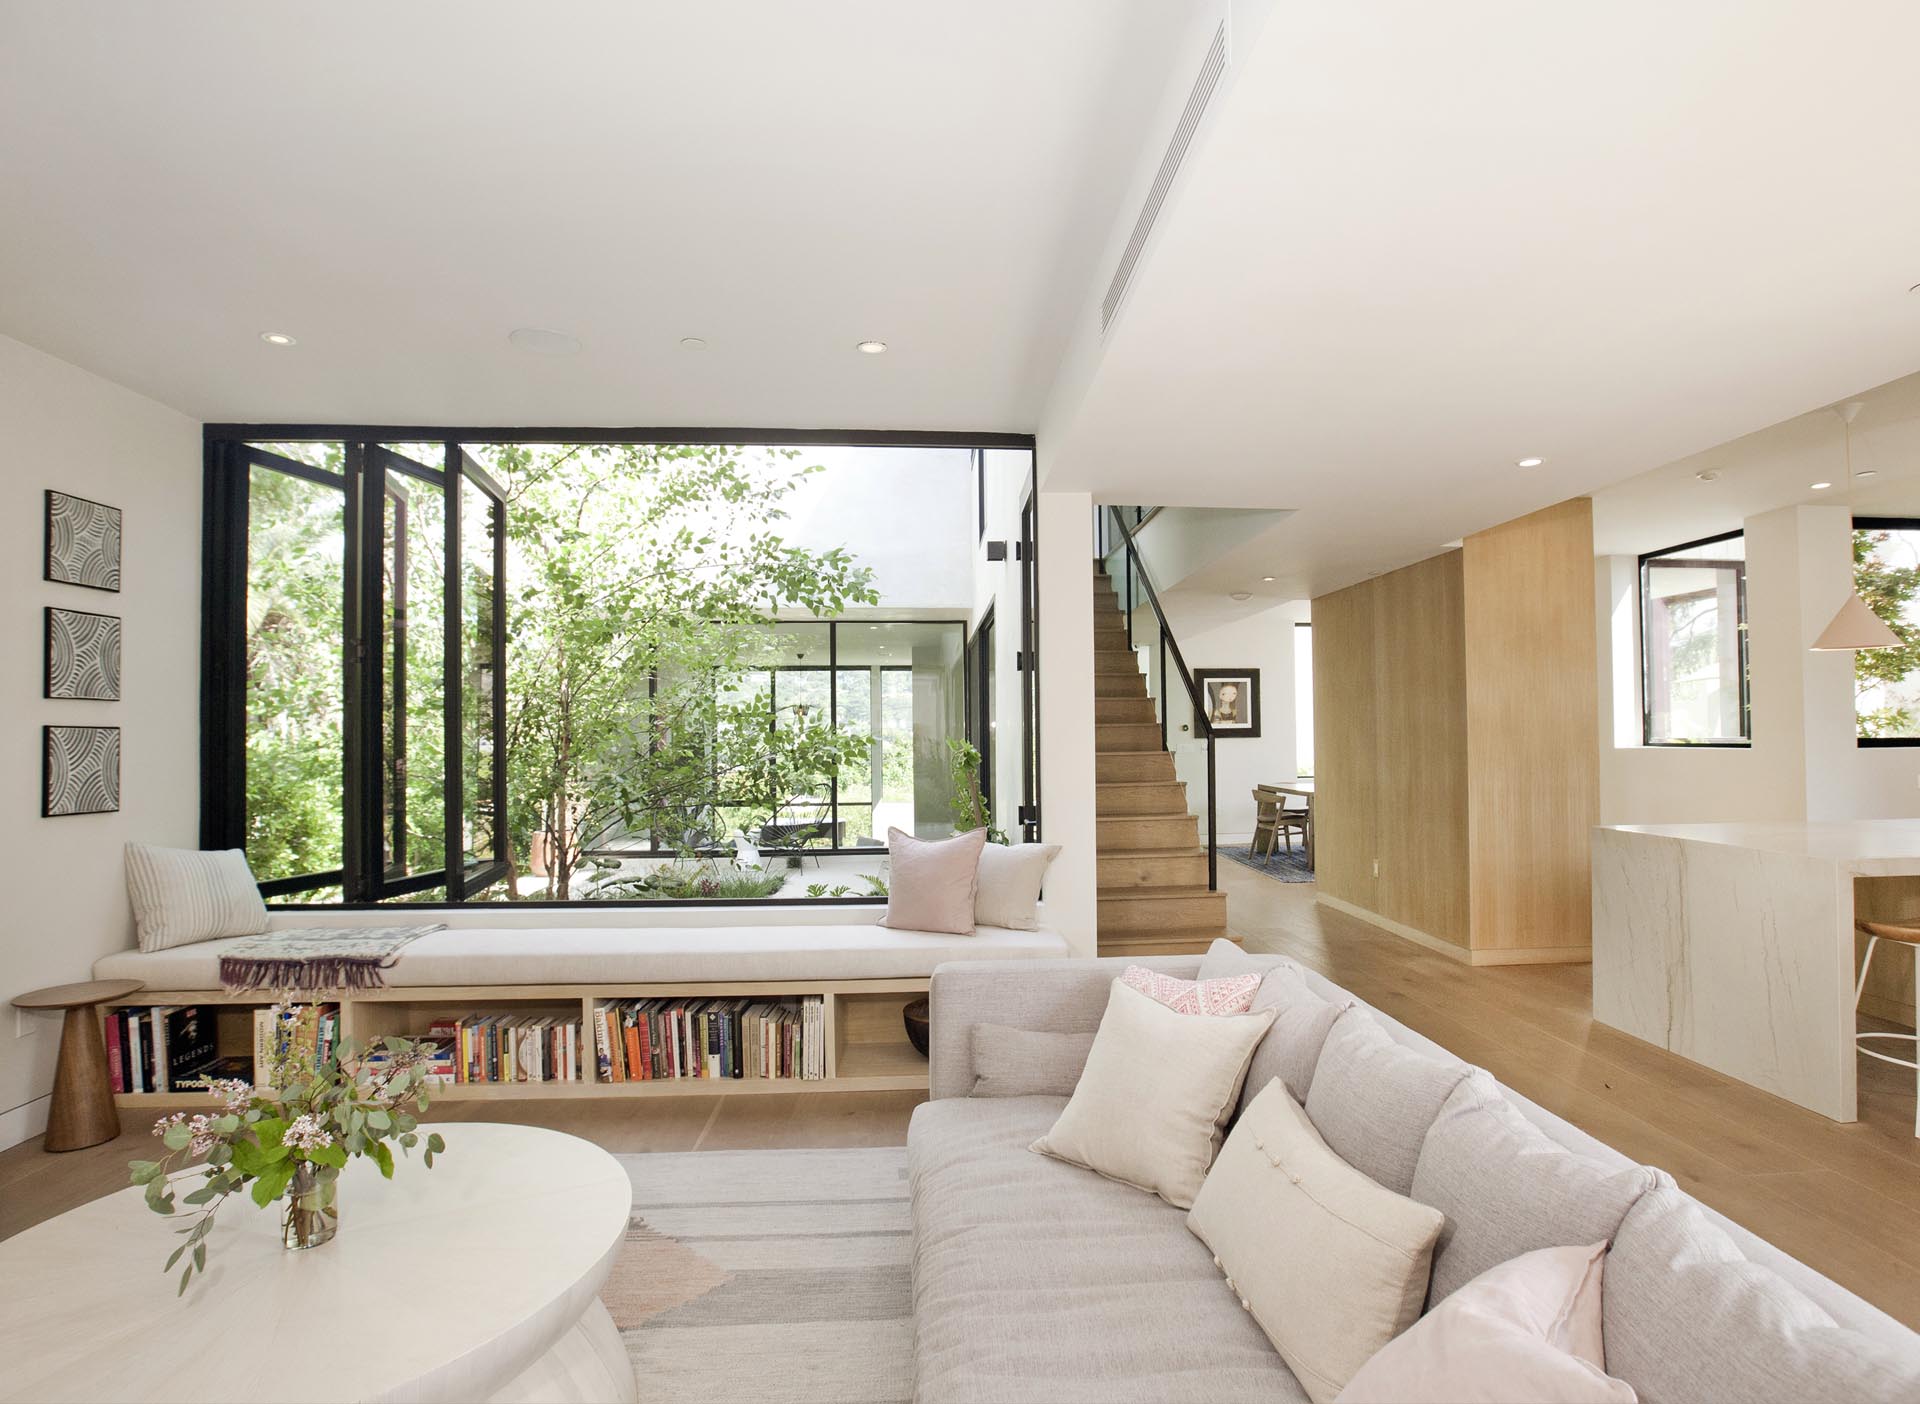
pixel 136 1072
pixel 115 1032
pixel 189 1044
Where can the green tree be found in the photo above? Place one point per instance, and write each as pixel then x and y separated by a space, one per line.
pixel 643 582
pixel 1887 589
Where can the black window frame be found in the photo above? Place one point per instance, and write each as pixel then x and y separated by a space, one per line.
pixel 224 548
pixel 1911 524
pixel 1664 555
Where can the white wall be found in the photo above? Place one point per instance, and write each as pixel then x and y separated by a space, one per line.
pixel 66 899
pixel 908 513
pixel 1263 639
pixel 1803 763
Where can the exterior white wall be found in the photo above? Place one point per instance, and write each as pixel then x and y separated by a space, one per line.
pixel 996 586
pixel 66 902
pixel 1803 763
pixel 1065 561
pixel 906 512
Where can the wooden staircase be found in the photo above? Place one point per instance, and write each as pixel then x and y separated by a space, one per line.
pixel 1152 880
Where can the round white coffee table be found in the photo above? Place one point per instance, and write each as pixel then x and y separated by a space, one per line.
pixel 476 1280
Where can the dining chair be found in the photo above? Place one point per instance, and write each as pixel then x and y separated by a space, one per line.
pixel 1272 818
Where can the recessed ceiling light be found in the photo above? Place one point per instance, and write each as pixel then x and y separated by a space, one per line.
pixel 1531 462
pixel 1241 595
pixel 873 626
pixel 1266 580
pixel 871 348
pixel 276 338
pixel 1819 487
pixel 1708 475
pixel 1867 473
pixel 544 343
pixel 694 343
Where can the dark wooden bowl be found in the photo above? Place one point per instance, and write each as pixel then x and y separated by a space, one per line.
pixel 915 1017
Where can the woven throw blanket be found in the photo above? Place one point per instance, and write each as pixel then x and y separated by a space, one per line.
pixel 317 957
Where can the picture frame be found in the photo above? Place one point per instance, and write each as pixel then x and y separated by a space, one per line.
pixel 82 661
pixel 80 770
pixel 1232 698
pixel 83 542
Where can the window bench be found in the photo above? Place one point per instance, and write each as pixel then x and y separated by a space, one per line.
pixel 865 974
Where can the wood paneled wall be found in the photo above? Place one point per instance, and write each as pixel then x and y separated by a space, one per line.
pixel 1456 742
pixel 1390 776
pixel 1533 758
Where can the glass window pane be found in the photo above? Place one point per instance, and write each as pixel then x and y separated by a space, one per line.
pixel 1886 573
pixel 914 680
pixel 413 687
pixel 296 546
pixel 1693 623
pixel 480 526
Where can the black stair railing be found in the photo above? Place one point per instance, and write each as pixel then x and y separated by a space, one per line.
pixel 1118 553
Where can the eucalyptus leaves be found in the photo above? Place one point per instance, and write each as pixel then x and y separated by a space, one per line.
pixel 295 1135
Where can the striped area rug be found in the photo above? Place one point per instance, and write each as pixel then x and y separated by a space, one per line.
pixel 780 1277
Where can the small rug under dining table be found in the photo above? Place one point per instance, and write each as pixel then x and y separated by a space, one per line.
pixel 1281 865
pixel 780 1277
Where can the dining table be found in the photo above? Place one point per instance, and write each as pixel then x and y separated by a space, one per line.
pixel 1303 788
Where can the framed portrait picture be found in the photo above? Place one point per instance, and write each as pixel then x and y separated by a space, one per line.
pixel 83 542
pixel 83 655
pixel 1232 697
pixel 81 770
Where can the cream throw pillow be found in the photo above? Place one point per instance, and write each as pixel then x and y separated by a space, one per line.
pixel 1525 1332
pixel 1010 878
pixel 1155 1092
pixel 182 896
pixel 931 882
pixel 1331 1265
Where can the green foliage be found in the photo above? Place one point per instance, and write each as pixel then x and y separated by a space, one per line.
pixel 295 683
pixel 969 805
pixel 292 1141
pixel 709 881
pixel 1887 589
pixel 643 584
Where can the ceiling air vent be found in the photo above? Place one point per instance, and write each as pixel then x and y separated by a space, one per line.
pixel 1197 100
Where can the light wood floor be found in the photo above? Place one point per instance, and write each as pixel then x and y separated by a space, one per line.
pixel 1845 1199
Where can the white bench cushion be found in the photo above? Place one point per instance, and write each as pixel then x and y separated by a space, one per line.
pixel 571 955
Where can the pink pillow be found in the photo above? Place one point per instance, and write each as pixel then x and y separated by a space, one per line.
pixel 1525 1332
pixel 1233 995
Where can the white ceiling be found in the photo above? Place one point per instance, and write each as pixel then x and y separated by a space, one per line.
pixel 1418 242
pixel 399 186
pixel 1775 467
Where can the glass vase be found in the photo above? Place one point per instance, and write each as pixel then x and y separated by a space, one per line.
pixel 311 1216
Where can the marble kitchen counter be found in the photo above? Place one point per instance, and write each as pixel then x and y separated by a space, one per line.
pixel 1732 944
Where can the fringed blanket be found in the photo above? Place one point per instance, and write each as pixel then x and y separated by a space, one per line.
pixel 317 957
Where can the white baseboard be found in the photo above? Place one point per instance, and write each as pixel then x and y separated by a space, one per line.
pixel 24 1122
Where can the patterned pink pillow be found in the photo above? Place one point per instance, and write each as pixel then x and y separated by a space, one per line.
pixel 1233 995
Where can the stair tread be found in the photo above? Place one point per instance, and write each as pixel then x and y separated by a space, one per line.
pixel 1132 784
pixel 1194 852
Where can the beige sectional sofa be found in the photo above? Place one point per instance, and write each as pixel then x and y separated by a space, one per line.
pixel 1035 1280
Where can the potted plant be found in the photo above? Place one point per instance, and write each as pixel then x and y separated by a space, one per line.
pixel 290 1139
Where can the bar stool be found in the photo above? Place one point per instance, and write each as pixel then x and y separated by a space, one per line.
pixel 1908 936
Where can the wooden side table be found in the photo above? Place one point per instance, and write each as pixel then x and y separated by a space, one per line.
pixel 82 1113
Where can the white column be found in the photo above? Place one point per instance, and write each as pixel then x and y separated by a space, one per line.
pixel 1064 556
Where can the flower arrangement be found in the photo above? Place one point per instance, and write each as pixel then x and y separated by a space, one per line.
pixel 291 1138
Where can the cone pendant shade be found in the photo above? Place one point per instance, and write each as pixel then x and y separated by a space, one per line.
pixel 1856 626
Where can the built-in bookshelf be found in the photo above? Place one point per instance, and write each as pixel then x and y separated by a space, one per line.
pixel 853 1032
